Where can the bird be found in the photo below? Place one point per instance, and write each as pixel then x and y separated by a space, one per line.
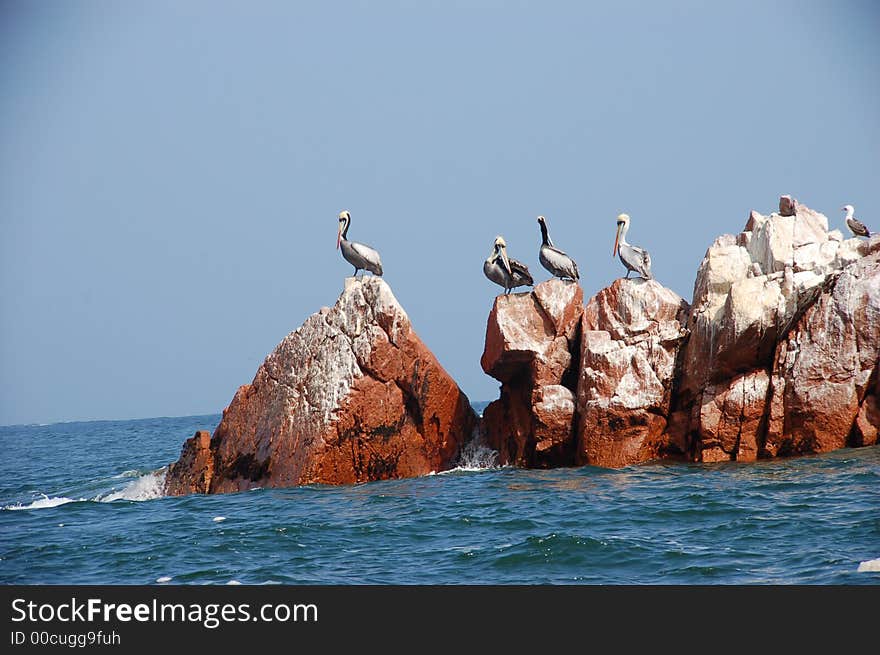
pixel 504 271
pixel 634 258
pixel 357 254
pixel 855 226
pixel 552 258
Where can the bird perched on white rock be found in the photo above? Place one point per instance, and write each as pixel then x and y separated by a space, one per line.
pixel 855 226
pixel 552 258
pixel 634 258
pixel 504 271
pixel 360 256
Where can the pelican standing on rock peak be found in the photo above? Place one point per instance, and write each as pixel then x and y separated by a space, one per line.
pixel 552 258
pixel 504 271
pixel 634 258
pixel 855 226
pixel 356 254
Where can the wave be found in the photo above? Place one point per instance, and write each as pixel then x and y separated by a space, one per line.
pixel 146 487
pixel 475 456
pixel 143 487
pixel 131 473
pixel 869 566
pixel 44 503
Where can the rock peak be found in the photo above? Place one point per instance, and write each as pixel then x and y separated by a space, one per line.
pixel 352 395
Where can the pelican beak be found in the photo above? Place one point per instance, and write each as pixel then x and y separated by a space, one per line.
pixel 505 262
pixel 616 239
pixel 338 236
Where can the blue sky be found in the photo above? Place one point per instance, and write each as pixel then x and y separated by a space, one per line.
pixel 171 172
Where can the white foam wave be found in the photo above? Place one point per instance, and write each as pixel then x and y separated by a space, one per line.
pixel 869 566
pixel 475 456
pixel 131 473
pixel 143 487
pixel 146 487
pixel 43 503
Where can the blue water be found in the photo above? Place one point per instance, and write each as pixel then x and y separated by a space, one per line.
pixel 81 505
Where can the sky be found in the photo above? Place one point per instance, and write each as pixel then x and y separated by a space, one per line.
pixel 171 172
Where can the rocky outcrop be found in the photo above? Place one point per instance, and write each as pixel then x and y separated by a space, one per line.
pixel 352 395
pixel 532 349
pixel 631 334
pixel 778 355
pixel 193 471
pixel 783 340
pixel 824 378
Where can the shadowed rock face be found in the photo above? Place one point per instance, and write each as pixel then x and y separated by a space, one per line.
pixel 632 331
pixel 352 395
pixel 530 338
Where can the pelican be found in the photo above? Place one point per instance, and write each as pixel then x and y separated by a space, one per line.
pixel 356 254
pixel 504 271
pixel 552 258
pixel 634 258
pixel 855 226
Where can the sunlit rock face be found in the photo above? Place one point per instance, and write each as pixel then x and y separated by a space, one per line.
pixel 532 349
pixel 352 395
pixel 776 356
pixel 781 313
pixel 631 335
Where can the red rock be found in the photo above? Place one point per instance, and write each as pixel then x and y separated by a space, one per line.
pixel 553 408
pixel 731 418
pixel 195 468
pixel 867 425
pixel 529 343
pixel 353 395
pixel 632 331
pixel 823 369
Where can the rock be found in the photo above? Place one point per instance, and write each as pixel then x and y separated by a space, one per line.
pixel 632 331
pixel 352 395
pixel 745 386
pixel 747 296
pixel 195 468
pixel 530 338
pixel 867 426
pixel 824 371
pixel 730 418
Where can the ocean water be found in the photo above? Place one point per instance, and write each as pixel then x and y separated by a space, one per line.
pixel 81 504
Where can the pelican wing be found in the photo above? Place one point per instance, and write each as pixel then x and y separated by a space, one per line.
pixel 636 259
pixel 645 268
pixel 369 256
pixel 558 263
pixel 520 272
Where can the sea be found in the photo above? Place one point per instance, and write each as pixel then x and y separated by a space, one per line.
pixel 82 503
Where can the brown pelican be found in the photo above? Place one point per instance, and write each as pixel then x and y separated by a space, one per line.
pixel 855 226
pixel 552 258
pixel 356 254
pixel 504 271
pixel 634 258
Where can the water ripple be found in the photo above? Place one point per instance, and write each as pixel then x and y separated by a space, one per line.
pixel 814 520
